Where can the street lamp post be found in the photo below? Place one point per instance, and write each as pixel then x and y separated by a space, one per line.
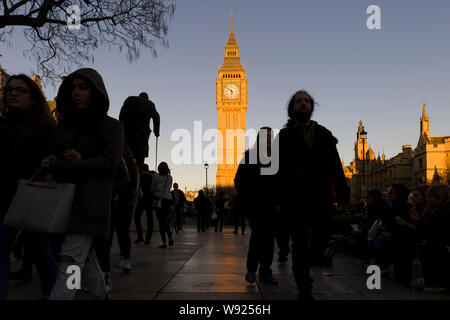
pixel 206 169
pixel 363 136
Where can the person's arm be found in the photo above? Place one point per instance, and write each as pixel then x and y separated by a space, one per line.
pixel 104 163
pixel 156 122
pixel 338 176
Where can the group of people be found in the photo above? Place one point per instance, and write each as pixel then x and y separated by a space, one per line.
pixel 296 203
pixel 406 226
pixel 103 157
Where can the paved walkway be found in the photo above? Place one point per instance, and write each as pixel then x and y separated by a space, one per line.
pixel 213 265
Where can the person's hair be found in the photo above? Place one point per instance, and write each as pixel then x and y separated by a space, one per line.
pixel 422 190
pixel 200 192
pixel 143 95
pixel 441 192
pixel 163 169
pixel 290 109
pixel 402 191
pixel 40 105
pixel 377 196
pixel 145 167
pixel 175 184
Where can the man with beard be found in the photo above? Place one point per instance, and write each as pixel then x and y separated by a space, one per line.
pixel 312 178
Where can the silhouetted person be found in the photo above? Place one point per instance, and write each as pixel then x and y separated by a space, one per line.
pixel 135 117
pixel 311 178
pixel 202 206
pixel 179 201
pixel 256 191
pixel 220 211
pixel 238 214
pixel 145 203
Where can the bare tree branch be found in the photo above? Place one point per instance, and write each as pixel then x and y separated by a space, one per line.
pixel 131 24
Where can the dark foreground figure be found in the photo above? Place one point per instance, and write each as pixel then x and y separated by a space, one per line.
pixel 311 178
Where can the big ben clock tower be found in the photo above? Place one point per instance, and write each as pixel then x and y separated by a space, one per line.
pixel 231 100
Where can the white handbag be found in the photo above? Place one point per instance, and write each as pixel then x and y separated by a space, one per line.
pixel 41 207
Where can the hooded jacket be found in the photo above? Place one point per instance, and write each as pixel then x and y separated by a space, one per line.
pixel 100 141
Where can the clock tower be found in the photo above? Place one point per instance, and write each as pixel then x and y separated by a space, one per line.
pixel 231 100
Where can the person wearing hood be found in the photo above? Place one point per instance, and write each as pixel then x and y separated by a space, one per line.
pixel 86 151
pixel 25 131
pixel 311 173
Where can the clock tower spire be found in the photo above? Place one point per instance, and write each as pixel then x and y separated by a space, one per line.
pixel 231 100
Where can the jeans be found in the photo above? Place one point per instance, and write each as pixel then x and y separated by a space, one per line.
pixel 79 247
pixel 163 220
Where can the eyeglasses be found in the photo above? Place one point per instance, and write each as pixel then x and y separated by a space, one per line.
pixel 18 90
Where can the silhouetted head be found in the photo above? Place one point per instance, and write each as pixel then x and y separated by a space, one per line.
pixel 418 196
pixel 300 108
pixel 145 168
pixel 143 95
pixel 22 93
pixel 200 193
pixel 438 196
pixel 163 169
pixel 175 185
pixel 374 197
pixel 398 193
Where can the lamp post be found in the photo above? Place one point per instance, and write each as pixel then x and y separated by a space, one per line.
pixel 363 136
pixel 206 169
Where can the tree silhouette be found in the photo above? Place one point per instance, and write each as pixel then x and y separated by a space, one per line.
pixel 57 48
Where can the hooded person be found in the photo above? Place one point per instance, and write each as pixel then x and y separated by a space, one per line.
pixel 86 151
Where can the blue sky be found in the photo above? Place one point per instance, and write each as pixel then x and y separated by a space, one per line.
pixel 382 77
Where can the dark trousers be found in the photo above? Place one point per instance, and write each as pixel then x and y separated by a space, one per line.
pixel 261 246
pixel 310 238
pixel 282 234
pixel 239 220
pixel 218 223
pixel 201 221
pixel 163 220
pixel 122 227
pixel 103 246
pixel 4 261
pixel 179 216
pixel 141 206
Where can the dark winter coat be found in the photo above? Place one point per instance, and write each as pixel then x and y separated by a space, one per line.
pixel 310 176
pixel 135 117
pixel 24 139
pixel 256 191
pixel 100 141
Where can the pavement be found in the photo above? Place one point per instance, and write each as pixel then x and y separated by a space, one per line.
pixel 212 266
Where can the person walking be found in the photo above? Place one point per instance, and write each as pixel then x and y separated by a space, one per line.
pixel 135 117
pixel 238 213
pixel 202 205
pixel 311 178
pixel 25 130
pixel 256 191
pixel 161 184
pixel 220 211
pixel 145 203
pixel 86 150
pixel 179 201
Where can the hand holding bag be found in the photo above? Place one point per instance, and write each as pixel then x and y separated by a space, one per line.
pixel 41 206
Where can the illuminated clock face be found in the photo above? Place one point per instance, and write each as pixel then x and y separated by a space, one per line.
pixel 231 91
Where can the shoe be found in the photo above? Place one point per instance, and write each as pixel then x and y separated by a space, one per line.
pixel 139 241
pixel 108 282
pixel 282 259
pixel 250 277
pixel 21 275
pixel 147 242
pixel 120 264
pixel 164 245
pixel 171 243
pixel 126 266
pixel 270 279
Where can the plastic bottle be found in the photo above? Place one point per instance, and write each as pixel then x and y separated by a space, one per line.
pixel 417 275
